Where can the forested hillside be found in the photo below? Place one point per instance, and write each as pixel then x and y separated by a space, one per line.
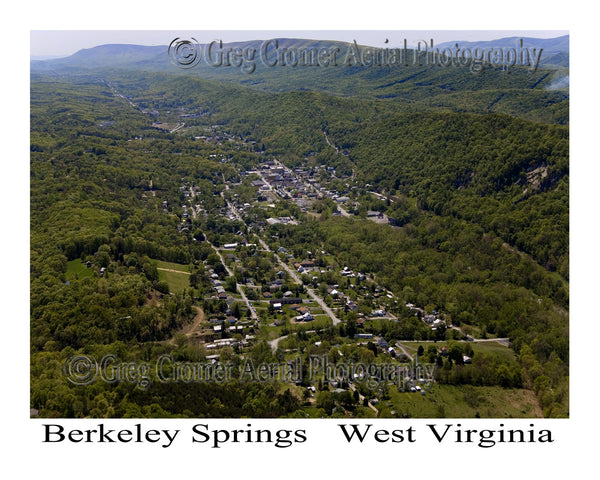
pixel 139 180
pixel 506 175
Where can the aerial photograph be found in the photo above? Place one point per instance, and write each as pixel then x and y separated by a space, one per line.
pixel 299 225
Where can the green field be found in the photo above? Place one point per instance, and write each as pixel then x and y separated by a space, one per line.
pixel 448 401
pixel 77 269
pixel 178 280
pixel 271 332
pixel 463 401
pixel 486 348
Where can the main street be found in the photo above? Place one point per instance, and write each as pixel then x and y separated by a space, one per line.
pixel 310 291
pixel 291 272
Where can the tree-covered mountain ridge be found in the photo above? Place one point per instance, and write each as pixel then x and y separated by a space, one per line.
pixel 540 95
pixel 507 175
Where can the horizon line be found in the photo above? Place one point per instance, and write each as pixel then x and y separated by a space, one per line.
pixel 374 38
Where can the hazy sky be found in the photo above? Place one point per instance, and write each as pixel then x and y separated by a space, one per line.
pixel 67 42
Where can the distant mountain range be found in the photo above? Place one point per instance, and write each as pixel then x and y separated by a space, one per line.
pixel 550 45
pixel 555 52
pixel 111 55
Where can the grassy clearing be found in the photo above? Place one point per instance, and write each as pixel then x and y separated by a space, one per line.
pixel 465 401
pixel 77 269
pixel 485 348
pixel 177 276
pixel 177 282
pixel 271 332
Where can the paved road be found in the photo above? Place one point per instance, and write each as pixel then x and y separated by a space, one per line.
pixel 238 287
pixel 310 291
pixel 343 211
pixel 323 305
pixel 275 342
pixel 178 127
pixel 192 195
pixel 330 143
pixel 404 351
pixel 361 398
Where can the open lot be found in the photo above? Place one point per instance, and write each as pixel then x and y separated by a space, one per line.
pixel 76 269
pixel 176 275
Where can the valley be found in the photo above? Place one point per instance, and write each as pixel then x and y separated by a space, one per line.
pixel 218 223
